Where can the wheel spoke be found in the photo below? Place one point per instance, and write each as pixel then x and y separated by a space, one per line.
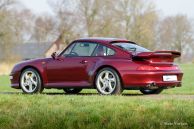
pixel 30 87
pixel 26 76
pixel 101 80
pixel 110 87
pixel 33 82
pixel 107 75
pixel 103 88
pixel 32 75
pixel 25 84
pixel 112 79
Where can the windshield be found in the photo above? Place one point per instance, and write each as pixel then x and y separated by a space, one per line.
pixel 131 47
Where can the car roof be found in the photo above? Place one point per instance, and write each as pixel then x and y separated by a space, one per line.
pixel 103 40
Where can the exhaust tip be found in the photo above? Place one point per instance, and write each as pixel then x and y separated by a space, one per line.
pixel 152 86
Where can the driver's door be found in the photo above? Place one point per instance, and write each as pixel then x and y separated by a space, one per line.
pixel 70 69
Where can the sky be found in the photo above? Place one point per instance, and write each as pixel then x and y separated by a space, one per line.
pixel 165 7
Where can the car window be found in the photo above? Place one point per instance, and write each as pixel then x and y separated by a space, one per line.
pixel 131 47
pixel 103 51
pixel 81 49
pixel 68 50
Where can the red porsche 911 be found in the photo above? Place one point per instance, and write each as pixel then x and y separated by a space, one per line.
pixel 107 64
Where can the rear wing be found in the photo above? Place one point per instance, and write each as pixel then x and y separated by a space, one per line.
pixel 170 54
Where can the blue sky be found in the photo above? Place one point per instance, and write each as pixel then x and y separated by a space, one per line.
pixel 166 7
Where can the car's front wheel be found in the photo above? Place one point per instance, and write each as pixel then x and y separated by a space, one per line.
pixel 108 82
pixel 72 90
pixel 149 91
pixel 30 81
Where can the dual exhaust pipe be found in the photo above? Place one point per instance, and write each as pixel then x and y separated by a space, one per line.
pixel 153 86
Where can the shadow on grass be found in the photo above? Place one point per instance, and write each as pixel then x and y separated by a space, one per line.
pixel 10 93
pixel 89 94
pixel 56 94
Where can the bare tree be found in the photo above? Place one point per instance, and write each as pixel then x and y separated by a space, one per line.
pixel 5 3
pixel 89 12
pixel 66 22
pixel 176 33
pixel 6 25
pixel 44 29
pixel 138 19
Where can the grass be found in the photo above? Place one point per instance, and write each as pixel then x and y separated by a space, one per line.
pixel 88 111
pixel 98 112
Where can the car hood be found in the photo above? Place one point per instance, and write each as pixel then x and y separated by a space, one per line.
pixel 34 63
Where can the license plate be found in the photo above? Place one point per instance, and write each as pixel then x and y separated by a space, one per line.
pixel 168 78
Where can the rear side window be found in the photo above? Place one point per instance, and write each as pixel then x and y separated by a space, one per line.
pixel 103 51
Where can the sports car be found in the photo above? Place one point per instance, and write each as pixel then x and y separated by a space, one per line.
pixel 109 65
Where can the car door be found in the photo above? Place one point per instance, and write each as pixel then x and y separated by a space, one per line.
pixel 71 68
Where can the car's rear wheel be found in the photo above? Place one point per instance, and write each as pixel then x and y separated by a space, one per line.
pixel 72 90
pixel 30 81
pixel 149 91
pixel 108 82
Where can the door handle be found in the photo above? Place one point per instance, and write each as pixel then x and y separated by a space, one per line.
pixel 59 59
pixel 84 62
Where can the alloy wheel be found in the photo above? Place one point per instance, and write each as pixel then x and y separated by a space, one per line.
pixel 29 81
pixel 106 82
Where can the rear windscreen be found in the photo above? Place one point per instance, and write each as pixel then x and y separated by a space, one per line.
pixel 131 47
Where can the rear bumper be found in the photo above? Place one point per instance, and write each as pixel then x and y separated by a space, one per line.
pixel 145 78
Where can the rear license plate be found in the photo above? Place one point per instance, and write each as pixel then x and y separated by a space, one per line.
pixel 168 78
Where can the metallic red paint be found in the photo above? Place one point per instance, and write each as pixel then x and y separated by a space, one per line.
pixel 135 70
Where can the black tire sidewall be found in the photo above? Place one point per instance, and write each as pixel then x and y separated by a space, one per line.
pixel 74 91
pixel 39 87
pixel 155 91
pixel 118 89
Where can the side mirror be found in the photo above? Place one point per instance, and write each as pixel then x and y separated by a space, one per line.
pixel 54 55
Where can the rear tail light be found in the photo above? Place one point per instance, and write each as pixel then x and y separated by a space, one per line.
pixel 146 67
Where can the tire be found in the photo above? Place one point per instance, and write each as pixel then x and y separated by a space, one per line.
pixel 108 82
pixel 72 90
pixel 148 91
pixel 30 81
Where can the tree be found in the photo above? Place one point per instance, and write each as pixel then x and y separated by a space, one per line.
pixel 89 10
pixel 6 25
pixel 5 3
pixel 176 33
pixel 66 23
pixel 44 29
pixel 138 20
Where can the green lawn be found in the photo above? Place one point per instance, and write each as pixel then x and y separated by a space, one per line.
pixel 92 111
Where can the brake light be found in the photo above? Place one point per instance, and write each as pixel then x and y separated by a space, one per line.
pixel 146 67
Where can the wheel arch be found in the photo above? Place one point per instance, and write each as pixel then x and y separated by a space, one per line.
pixel 107 66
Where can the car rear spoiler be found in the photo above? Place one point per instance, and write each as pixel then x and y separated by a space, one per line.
pixel 172 54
